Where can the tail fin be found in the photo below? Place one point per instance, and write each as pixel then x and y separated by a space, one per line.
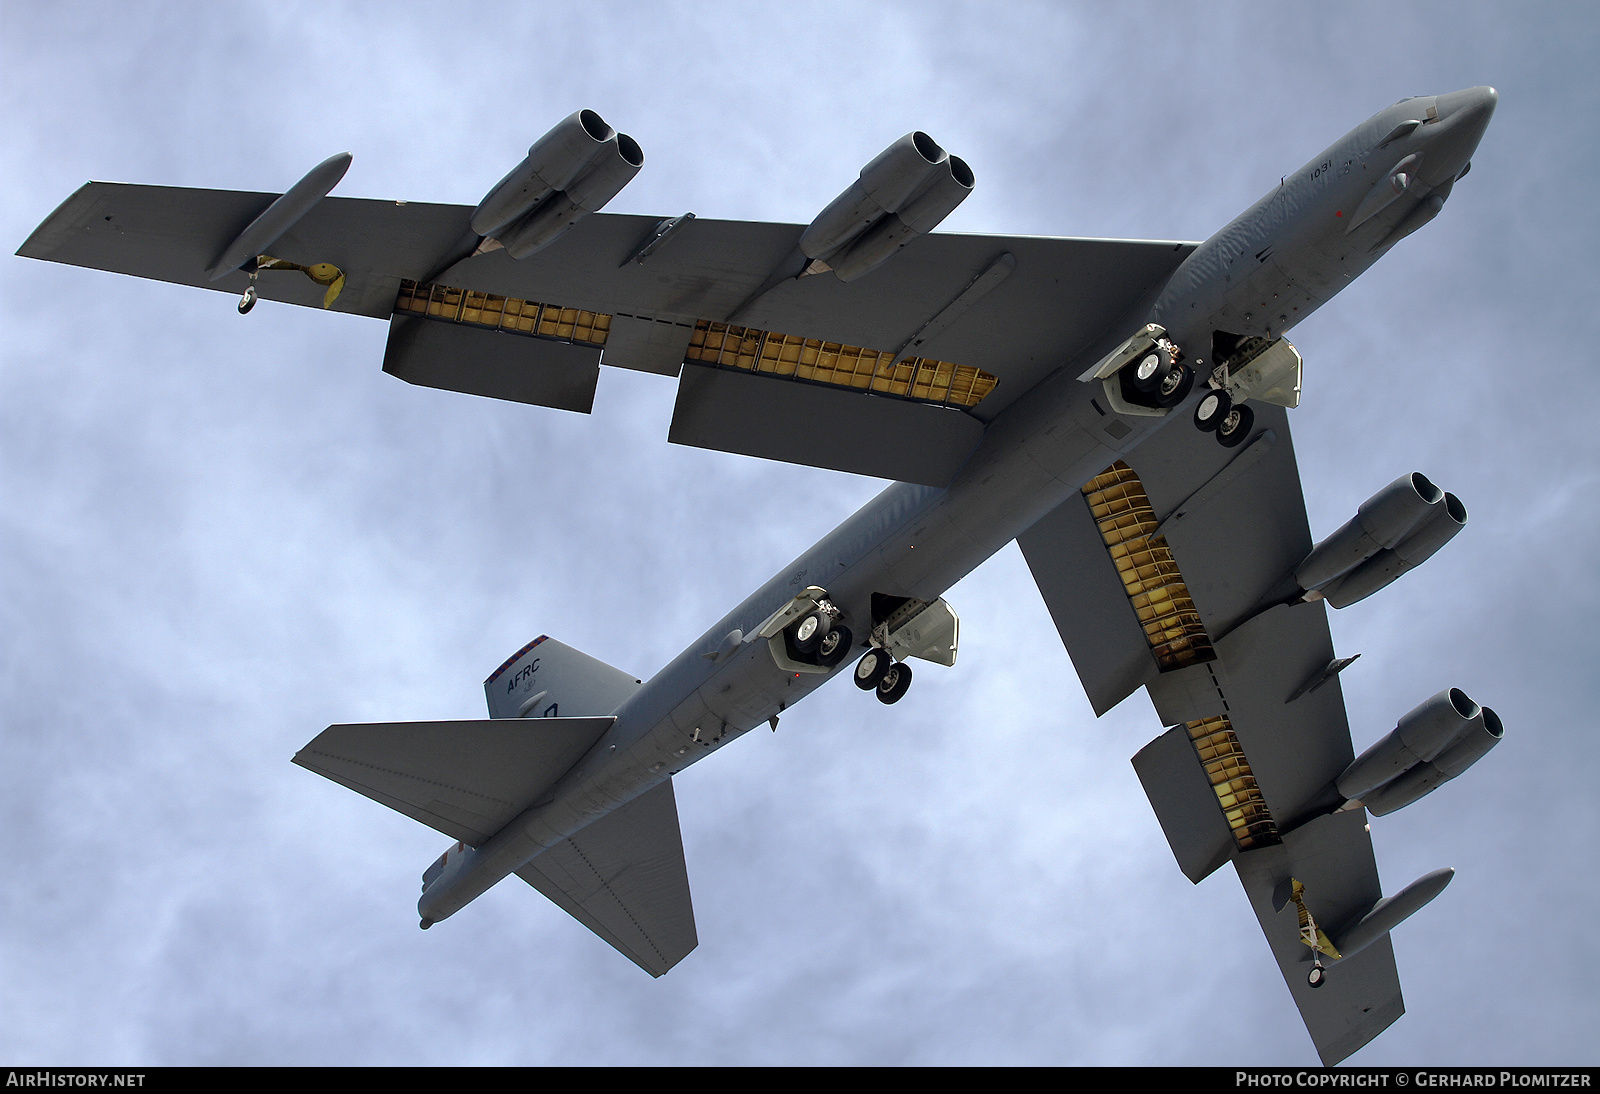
pixel 548 679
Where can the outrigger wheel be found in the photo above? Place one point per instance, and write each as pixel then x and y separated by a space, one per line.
pixel 1318 975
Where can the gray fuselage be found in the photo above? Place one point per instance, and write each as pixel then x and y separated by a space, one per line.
pixel 1257 277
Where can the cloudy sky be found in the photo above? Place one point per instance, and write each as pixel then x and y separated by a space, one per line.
pixel 219 534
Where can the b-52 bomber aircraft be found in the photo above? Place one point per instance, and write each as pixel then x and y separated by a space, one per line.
pixel 1117 406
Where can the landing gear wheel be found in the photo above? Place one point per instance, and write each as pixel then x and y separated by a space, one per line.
pixel 810 631
pixel 870 669
pixel 894 683
pixel 1211 409
pixel 834 647
pixel 1317 977
pixel 1235 426
pixel 1152 370
pixel 248 300
pixel 1176 387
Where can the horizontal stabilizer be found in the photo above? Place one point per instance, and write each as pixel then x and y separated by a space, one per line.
pixel 624 878
pixel 465 779
pixel 819 426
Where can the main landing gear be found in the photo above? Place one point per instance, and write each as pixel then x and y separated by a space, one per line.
pixel 877 671
pixel 818 640
pixel 1216 413
pixel 1158 379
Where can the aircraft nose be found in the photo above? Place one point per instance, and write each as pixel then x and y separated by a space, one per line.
pixel 1463 117
pixel 1474 106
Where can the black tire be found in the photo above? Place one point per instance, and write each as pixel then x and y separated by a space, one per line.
pixel 870 669
pixel 248 301
pixel 1317 977
pixel 810 631
pixel 1235 426
pixel 1150 371
pixel 894 683
pixel 1176 387
pixel 1211 409
pixel 835 647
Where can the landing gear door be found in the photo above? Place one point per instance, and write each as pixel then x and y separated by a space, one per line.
pixel 1272 375
pixel 931 634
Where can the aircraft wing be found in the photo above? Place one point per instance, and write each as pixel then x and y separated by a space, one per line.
pixel 625 879
pixel 908 362
pixel 1156 576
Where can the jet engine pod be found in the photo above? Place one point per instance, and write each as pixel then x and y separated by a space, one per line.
pixel 949 188
pixel 605 177
pixel 1483 734
pixel 1382 522
pixel 1428 730
pixel 903 193
pixel 582 153
pixel 1437 528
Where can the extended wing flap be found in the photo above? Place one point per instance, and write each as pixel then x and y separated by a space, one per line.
pixel 819 426
pixel 463 778
pixel 624 878
pixel 1089 603
pixel 492 364
pixel 1185 803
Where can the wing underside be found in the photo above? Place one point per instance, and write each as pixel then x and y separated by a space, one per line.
pixel 916 356
pixel 1162 575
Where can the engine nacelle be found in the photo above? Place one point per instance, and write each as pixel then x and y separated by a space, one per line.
pixel 903 193
pixel 571 171
pixel 1421 735
pixel 1382 522
pixel 613 169
pixel 1426 777
pixel 1437 528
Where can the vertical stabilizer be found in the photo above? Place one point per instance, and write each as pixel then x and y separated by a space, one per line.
pixel 548 679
